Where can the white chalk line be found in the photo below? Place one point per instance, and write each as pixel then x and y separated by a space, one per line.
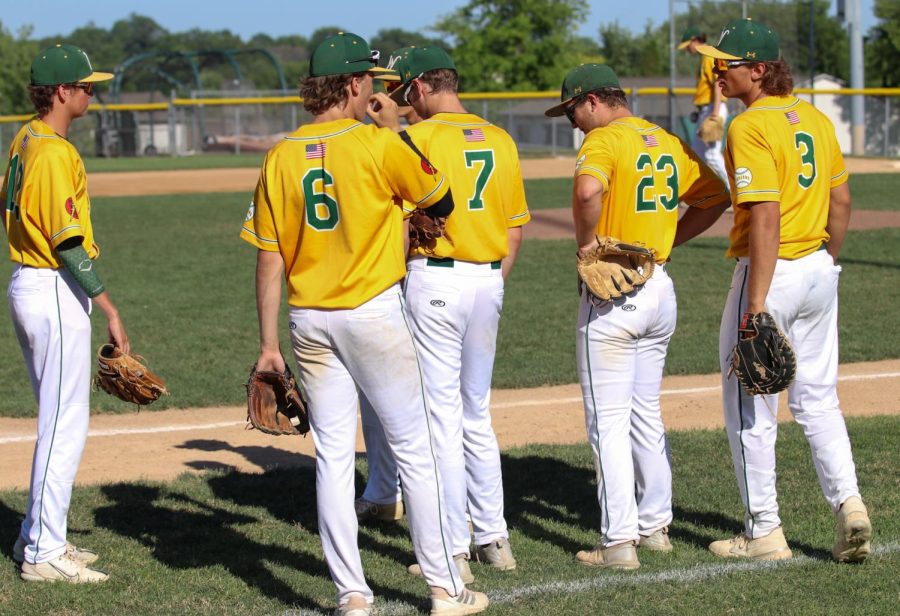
pixel 502 405
pixel 604 581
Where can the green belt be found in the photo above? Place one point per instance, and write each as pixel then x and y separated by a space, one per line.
pixel 448 262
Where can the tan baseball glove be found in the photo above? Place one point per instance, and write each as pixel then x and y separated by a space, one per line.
pixel 424 231
pixel 126 377
pixel 274 403
pixel 613 268
pixel 711 129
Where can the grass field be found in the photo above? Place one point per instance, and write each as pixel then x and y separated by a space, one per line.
pixel 248 544
pixel 183 282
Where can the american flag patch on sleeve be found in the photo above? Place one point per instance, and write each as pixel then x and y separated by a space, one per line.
pixel 473 134
pixel 792 117
pixel 315 150
pixel 650 141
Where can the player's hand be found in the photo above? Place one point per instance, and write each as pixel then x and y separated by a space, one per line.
pixel 270 361
pixel 384 112
pixel 117 334
pixel 583 250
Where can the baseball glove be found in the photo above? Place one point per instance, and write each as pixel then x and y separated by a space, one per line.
pixel 126 377
pixel 424 230
pixel 762 359
pixel 711 129
pixel 614 268
pixel 274 403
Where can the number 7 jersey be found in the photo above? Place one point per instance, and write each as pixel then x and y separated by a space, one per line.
pixel 645 172
pixel 481 163
pixel 783 149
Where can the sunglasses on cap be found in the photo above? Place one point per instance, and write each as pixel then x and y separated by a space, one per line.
pixel 722 66
pixel 373 57
pixel 87 87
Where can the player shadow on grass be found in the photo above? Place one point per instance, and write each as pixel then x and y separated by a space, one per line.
pixel 265 457
pixel 10 522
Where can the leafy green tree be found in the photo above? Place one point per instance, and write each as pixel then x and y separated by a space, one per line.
pixel 388 39
pixel 883 46
pixel 514 44
pixel 17 52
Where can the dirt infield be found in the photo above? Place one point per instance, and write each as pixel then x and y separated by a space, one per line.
pixel 160 446
pixel 244 179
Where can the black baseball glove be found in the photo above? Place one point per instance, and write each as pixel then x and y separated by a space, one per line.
pixel 763 359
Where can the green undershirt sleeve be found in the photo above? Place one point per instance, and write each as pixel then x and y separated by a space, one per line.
pixel 76 261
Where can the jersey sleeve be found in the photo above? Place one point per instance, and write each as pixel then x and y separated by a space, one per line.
pixel 410 176
pixel 517 206
pixel 755 173
pixel 702 188
pixel 53 194
pixel 596 159
pixel 839 174
pixel 259 223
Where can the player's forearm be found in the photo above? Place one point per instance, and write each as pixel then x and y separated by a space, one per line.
pixel 696 220
pixel 76 261
pixel 838 219
pixel 587 203
pixel 269 271
pixel 765 237
pixel 514 238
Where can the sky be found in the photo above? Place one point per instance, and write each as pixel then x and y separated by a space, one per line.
pixel 279 17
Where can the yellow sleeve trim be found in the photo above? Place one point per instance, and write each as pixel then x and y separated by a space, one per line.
pixel 524 214
pixel 429 195
pixel 581 171
pixel 258 238
pixel 64 230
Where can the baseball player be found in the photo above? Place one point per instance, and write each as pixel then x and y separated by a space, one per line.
pixel 455 295
pixel 53 286
pixel 792 209
pixel 323 216
pixel 709 102
pixel 630 176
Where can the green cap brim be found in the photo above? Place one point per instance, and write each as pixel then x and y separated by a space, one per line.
pixel 712 52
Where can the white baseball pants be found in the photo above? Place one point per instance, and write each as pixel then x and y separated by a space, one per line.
pixel 803 301
pixel 711 151
pixel 369 347
pixel 621 351
pixel 51 317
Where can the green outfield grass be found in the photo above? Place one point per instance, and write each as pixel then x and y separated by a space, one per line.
pixel 184 284
pixel 235 543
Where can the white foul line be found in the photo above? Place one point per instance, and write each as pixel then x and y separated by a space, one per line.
pixel 688 575
pixel 502 405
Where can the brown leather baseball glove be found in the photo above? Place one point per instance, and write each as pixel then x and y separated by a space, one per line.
pixel 424 230
pixel 711 129
pixel 614 268
pixel 274 403
pixel 126 377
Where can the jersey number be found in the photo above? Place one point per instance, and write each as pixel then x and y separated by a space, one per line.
pixel 805 144
pixel 664 164
pixel 14 187
pixel 486 158
pixel 321 209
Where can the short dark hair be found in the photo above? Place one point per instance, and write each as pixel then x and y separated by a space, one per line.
pixel 777 80
pixel 42 98
pixel 611 97
pixel 320 94
pixel 442 80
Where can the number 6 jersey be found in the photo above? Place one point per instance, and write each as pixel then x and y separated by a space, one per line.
pixel 645 171
pixel 783 149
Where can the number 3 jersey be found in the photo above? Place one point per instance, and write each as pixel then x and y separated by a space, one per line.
pixel 783 149
pixel 481 163
pixel 326 201
pixel 45 194
pixel 645 172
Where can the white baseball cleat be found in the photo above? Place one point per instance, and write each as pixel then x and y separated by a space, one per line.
pixel 466 602
pixel 462 565
pixel 356 605
pixel 771 547
pixel 498 554
pixel 85 556
pixel 367 510
pixel 854 530
pixel 63 568
pixel 657 541
pixel 620 556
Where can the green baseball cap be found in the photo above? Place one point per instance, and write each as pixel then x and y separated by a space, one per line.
pixel 745 39
pixel 583 79
pixel 413 62
pixel 346 53
pixel 64 64
pixel 690 34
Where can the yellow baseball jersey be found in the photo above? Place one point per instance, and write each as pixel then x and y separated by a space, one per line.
pixel 783 149
pixel 326 201
pixel 45 189
pixel 706 81
pixel 482 165
pixel 645 172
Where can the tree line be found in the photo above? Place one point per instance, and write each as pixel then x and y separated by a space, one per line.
pixel 498 45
